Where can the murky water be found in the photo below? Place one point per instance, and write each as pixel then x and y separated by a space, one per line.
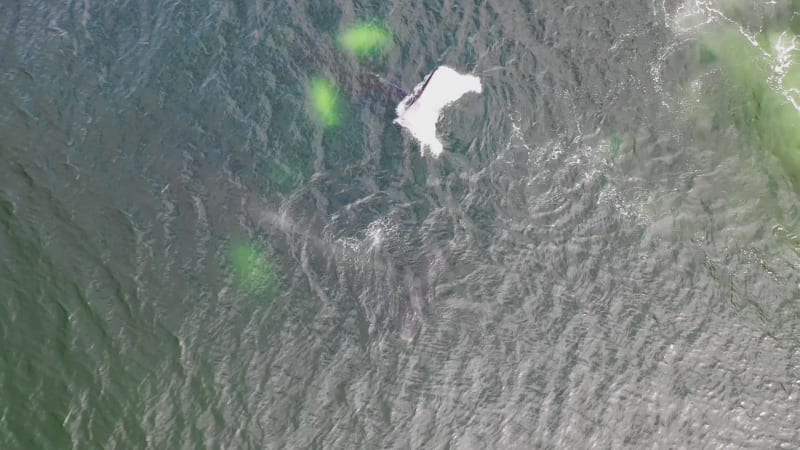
pixel 604 256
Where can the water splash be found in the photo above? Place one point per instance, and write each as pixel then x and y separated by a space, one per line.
pixel 420 111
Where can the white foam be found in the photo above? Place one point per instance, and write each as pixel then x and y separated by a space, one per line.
pixel 441 88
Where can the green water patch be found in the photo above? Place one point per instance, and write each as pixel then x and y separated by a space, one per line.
pixel 615 146
pixel 754 97
pixel 253 270
pixel 284 177
pixel 365 39
pixel 325 101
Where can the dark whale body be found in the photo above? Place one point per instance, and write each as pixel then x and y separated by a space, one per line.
pixel 384 88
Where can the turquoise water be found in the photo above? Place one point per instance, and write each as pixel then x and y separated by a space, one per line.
pixel 191 258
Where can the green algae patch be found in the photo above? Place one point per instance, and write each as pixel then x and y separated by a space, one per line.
pixel 365 39
pixel 253 270
pixel 325 101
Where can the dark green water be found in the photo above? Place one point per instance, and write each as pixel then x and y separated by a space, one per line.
pixel 189 259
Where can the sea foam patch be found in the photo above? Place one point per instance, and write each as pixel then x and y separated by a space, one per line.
pixel 420 110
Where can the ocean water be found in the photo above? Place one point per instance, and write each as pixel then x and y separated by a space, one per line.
pixel 605 254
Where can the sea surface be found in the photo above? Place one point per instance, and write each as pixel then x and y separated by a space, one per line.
pixel 191 259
